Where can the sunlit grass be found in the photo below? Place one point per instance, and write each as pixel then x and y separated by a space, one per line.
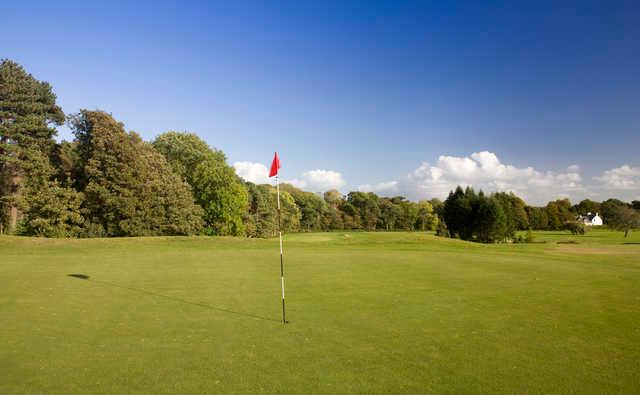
pixel 369 312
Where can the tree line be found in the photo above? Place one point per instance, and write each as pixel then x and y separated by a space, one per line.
pixel 110 182
pixel 497 217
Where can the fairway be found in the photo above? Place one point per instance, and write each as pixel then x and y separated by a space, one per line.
pixel 369 313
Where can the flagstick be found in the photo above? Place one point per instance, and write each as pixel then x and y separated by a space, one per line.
pixel 284 321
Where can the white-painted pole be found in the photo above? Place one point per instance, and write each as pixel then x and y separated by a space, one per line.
pixel 284 320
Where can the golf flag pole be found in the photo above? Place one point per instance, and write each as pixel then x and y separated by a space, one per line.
pixel 275 166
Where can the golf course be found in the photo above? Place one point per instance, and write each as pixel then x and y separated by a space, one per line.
pixel 369 313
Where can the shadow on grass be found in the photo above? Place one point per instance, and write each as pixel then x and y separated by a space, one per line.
pixel 86 277
pixel 631 242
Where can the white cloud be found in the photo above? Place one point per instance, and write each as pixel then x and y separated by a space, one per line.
pixel 313 180
pixel 384 188
pixel 256 173
pixel 483 170
pixel 623 178
pixel 319 180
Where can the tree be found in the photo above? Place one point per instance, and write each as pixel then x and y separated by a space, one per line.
pixel 48 208
pixel 559 212
pixel 409 212
pixel 216 187
pixel 261 218
pixel 587 206
pixel 28 110
pixel 538 218
pixel 490 224
pixel 129 187
pixel 312 208
pixel 575 227
pixel 367 207
pixel 438 207
pixel 474 216
pixel 442 230
pixel 389 214
pixel 427 220
pixel 514 210
pixel 289 211
pixel 350 216
pixel 459 212
pixel 608 209
pixel 333 198
pixel 222 196
pixel 184 151
pixel 624 218
pixel 333 218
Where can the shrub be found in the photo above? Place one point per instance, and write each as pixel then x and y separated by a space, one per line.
pixel 529 238
pixel 575 227
pixel 442 230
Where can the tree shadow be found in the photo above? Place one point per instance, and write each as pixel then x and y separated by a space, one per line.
pixel 81 276
pixel 144 291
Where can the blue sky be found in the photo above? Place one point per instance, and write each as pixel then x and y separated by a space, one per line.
pixel 394 97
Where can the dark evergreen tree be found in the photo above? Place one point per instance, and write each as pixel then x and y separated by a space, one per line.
pixel 129 188
pixel 490 224
pixel 29 191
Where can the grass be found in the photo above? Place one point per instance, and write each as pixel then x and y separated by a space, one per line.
pixel 369 312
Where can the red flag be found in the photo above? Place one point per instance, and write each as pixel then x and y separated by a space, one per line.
pixel 275 165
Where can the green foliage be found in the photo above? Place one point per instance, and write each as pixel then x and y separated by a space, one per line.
pixel 529 238
pixel 409 214
pixel 586 206
pixel 389 213
pixel 185 151
pixel 442 230
pixel 366 208
pixel 575 227
pixel 216 187
pixel 559 212
pixel 426 218
pixel 48 209
pixel 129 187
pixel 515 211
pixel 290 220
pixel 313 208
pixel 472 216
pixel 609 209
pixel 538 218
pixel 624 218
pixel 261 220
pixel 27 110
pixel 459 213
pixel 222 196
pixel 491 222
pixel 111 183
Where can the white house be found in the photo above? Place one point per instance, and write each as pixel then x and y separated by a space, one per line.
pixel 590 219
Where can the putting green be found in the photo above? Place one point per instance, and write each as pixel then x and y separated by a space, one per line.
pixel 370 313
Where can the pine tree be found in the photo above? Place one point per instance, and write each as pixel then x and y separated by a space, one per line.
pixel 29 191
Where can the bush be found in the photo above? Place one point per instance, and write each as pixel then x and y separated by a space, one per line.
pixel 575 227
pixel 442 230
pixel 529 238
